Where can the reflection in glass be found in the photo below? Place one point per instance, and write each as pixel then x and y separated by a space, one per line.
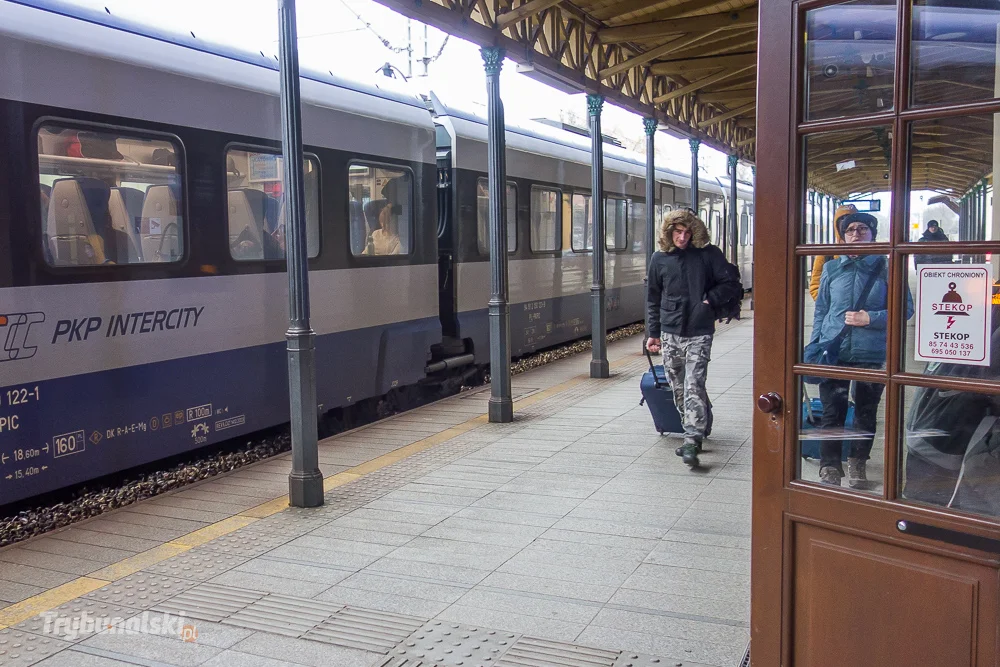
pixel 852 167
pixel 850 58
pixel 483 216
pixel 954 51
pixel 842 434
pixel 910 364
pixel 951 179
pixel 951 452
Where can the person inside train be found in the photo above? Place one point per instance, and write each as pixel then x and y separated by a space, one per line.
pixel 818 262
pixel 385 239
pixel 849 330
pixel 117 245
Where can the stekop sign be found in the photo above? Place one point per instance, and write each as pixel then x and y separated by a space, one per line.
pixel 954 313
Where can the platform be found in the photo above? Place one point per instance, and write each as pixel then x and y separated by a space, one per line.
pixel 574 536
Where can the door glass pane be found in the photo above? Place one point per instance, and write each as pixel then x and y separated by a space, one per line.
pixel 845 323
pixel 842 433
pixel 545 219
pixel 952 162
pixel 850 58
pixel 951 452
pixel 483 216
pixel 953 51
pixel 852 166
pixel 615 221
pixel 582 220
pixel 962 340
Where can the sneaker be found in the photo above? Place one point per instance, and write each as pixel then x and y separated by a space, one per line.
pixel 689 454
pixel 680 450
pixel 830 475
pixel 857 477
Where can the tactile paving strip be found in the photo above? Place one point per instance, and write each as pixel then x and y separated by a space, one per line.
pixel 20 649
pixel 199 564
pixel 365 629
pixel 640 660
pixel 282 614
pixel 142 590
pixel 247 543
pixel 447 644
pixel 76 620
pixel 531 652
pixel 210 602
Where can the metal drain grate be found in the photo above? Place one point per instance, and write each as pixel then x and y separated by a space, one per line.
pixel 745 662
pixel 209 602
pixel 530 652
pixel 365 629
pixel 282 615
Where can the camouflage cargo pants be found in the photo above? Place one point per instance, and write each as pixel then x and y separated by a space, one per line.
pixel 685 359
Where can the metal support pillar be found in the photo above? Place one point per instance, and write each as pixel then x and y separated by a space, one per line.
pixel 734 214
pixel 305 482
pixel 649 124
pixel 501 405
pixel 599 363
pixel 812 217
pixel 694 143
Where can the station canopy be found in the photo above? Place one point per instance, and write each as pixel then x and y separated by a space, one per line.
pixel 689 63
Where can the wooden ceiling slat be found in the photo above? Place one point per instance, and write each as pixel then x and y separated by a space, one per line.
pixel 738 111
pixel 637 32
pixel 701 83
pixel 526 10
pixel 623 7
pixel 695 64
pixel 658 52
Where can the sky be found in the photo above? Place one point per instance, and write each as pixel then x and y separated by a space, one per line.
pixel 355 38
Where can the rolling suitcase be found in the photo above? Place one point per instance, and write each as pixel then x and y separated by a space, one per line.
pixel 659 398
pixel 812 411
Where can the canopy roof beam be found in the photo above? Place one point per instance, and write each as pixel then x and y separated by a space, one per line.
pixel 526 10
pixel 637 32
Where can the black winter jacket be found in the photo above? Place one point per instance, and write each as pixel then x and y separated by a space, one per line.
pixel 678 283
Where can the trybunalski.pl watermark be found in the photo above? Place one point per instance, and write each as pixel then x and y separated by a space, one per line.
pixel 147 623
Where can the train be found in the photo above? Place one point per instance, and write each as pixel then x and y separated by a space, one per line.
pixel 143 291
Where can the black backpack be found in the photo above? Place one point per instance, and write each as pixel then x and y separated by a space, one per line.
pixel 730 310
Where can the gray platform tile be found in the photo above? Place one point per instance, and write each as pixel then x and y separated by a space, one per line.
pixel 609 528
pixel 34 576
pixel 735 542
pixel 157 534
pixel 483 532
pixel 416 498
pixel 269 583
pixel 282 615
pixel 734 471
pixel 697 607
pixel 361 520
pixel 384 602
pixel 570 590
pixel 291 570
pixel 427 485
pixel 78 658
pixel 305 651
pixel 239 659
pixel 142 519
pixel 663 625
pixel 394 515
pixel 488 466
pixel 56 562
pixel 206 516
pixel 701 524
pixel 76 620
pixel 357 538
pixel 399 585
pixel 524 502
pixel 163 650
pixel 595 551
pixel 237 495
pixel 457 480
pixel 198 564
pixel 549 485
pixel 21 649
pixel 563 573
pixel 247 543
pixel 209 602
pixel 632 503
pixel 613 569
pixel 342 560
pixel 712 507
pixel 100 539
pixel 208 633
pixel 627 439
pixel 142 590
pixel 552 434
pixel 530 605
pixel 664 519
pixel 223 505
pixel 512 622
pixel 504 516
pixel 694 551
pixel 601 461
pixel 699 562
pixel 454 554
pixel 659 583
pixel 686 652
pixel 605 449
pixel 447 574
pixel 11 591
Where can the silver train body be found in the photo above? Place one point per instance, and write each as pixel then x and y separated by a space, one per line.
pixel 143 297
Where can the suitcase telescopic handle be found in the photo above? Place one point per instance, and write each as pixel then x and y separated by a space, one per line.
pixel 652 369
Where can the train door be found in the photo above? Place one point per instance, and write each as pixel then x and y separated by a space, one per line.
pixel 876 466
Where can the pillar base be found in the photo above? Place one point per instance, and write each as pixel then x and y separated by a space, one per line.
pixel 305 489
pixel 599 368
pixel 501 410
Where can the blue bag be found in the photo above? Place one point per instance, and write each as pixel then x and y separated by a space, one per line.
pixel 812 410
pixel 659 398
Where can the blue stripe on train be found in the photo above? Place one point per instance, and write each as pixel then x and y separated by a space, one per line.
pixel 539 324
pixel 86 426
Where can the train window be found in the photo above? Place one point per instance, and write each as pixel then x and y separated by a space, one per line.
pixel 744 227
pixel 615 223
pixel 109 197
pixel 257 213
pixel 381 210
pixel 637 226
pixel 546 219
pixel 483 216
pixel 716 227
pixel 583 238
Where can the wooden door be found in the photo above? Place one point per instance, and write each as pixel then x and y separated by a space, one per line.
pixel 893 108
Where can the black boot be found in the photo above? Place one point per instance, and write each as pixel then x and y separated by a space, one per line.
pixel 680 450
pixel 689 454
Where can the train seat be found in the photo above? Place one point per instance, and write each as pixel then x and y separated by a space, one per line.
pixel 159 230
pixel 125 205
pixel 73 240
pixel 246 223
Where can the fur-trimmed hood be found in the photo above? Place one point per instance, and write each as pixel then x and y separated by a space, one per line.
pixel 699 232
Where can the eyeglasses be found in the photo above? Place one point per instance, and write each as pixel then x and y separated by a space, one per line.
pixel 857 230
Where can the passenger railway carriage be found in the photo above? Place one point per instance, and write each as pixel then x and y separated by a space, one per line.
pixel 143 291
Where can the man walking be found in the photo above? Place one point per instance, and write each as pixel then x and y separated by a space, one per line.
pixel 689 280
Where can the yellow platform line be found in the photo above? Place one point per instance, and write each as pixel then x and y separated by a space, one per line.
pixel 36 604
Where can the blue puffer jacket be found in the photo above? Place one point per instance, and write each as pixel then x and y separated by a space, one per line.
pixel 839 290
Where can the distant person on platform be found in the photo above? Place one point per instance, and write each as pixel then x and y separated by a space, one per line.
pixel 931 234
